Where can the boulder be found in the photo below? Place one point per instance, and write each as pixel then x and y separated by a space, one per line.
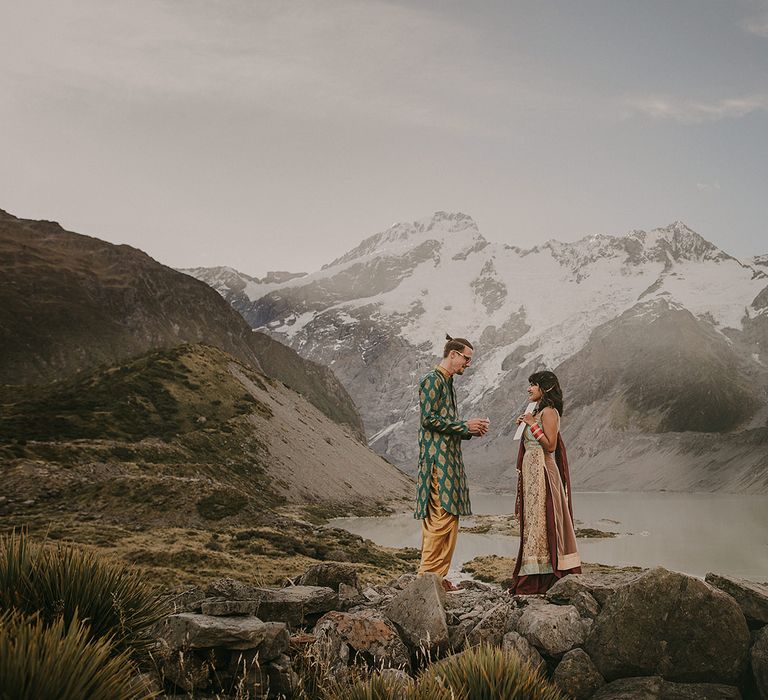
pixel 752 597
pixel 472 585
pixel 553 629
pixel 492 627
pixel 418 612
pixel 282 679
pixel 220 607
pixel 759 659
pixel 367 634
pixel 195 631
pixel 349 597
pixel 372 595
pixel 586 604
pixel 330 575
pixel 656 688
pixel 402 581
pixel 296 605
pixel 671 625
pixel 577 676
pixel 600 586
pixel 519 645
pixel 232 589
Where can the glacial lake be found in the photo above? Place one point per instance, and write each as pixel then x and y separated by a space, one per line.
pixel 692 533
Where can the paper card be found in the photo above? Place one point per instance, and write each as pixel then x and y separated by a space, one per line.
pixel 521 427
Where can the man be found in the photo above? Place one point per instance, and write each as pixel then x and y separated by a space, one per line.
pixel 442 494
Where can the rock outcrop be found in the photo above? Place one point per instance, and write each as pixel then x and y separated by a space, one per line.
pixel 658 635
pixel 671 625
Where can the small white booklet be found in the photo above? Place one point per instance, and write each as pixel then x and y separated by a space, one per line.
pixel 521 427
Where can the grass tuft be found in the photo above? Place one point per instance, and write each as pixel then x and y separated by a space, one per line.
pixel 62 660
pixel 62 581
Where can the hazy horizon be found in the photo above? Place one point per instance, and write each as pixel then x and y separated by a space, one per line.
pixel 268 136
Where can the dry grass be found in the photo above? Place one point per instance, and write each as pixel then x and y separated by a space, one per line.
pixel 174 557
pixel 492 568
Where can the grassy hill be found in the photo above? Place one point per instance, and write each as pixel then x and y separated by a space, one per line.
pixel 192 465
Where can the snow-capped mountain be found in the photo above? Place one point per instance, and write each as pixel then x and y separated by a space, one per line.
pixel 658 335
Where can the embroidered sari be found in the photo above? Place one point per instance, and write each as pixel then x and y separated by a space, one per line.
pixel 547 540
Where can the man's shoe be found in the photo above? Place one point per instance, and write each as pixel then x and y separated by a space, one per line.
pixel 448 586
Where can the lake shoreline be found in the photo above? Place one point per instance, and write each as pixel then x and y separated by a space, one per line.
pixel 645 529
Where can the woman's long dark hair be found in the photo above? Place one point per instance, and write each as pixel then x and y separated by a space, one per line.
pixel 551 393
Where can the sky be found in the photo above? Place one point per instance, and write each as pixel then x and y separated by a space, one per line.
pixel 278 135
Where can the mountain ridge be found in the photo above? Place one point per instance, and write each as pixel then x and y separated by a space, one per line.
pixel 524 309
pixel 69 302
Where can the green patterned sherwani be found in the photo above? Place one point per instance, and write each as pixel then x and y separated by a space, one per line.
pixel 440 436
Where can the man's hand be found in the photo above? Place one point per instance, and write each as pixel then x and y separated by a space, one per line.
pixel 478 426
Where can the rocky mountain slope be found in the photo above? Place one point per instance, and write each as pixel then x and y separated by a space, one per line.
pixel 189 463
pixel 661 339
pixel 70 302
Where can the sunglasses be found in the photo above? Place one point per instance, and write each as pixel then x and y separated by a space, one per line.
pixel 467 360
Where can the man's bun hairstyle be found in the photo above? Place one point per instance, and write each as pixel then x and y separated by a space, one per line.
pixel 457 344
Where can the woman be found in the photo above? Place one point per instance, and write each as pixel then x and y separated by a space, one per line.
pixel 547 540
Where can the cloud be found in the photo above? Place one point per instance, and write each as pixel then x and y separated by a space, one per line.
pixel 707 187
pixel 757 26
pixel 694 112
pixel 340 60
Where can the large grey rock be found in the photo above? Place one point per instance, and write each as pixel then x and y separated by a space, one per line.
pixel 296 605
pixel 195 631
pixel 553 629
pixel 349 597
pixel 232 589
pixel 577 676
pixel 220 607
pixel 402 581
pixel 670 625
pixel 600 586
pixel 586 604
pixel 330 575
pixel 656 688
pixel 519 645
pixel 283 680
pixel 492 626
pixel 752 597
pixel 759 658
pixel 367 634
pixel 419 613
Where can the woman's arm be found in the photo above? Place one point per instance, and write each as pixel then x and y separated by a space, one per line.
pixel 549 422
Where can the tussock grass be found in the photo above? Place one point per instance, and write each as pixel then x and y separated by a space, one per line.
pixel 480 673
pixel 64 582
pixel 62 660
pixel 487 673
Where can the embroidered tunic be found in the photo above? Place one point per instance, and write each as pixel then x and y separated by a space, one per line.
pixel 440 436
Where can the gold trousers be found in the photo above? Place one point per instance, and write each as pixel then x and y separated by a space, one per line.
pixel 438 534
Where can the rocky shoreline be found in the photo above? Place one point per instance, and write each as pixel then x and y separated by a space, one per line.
pixel 606 636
